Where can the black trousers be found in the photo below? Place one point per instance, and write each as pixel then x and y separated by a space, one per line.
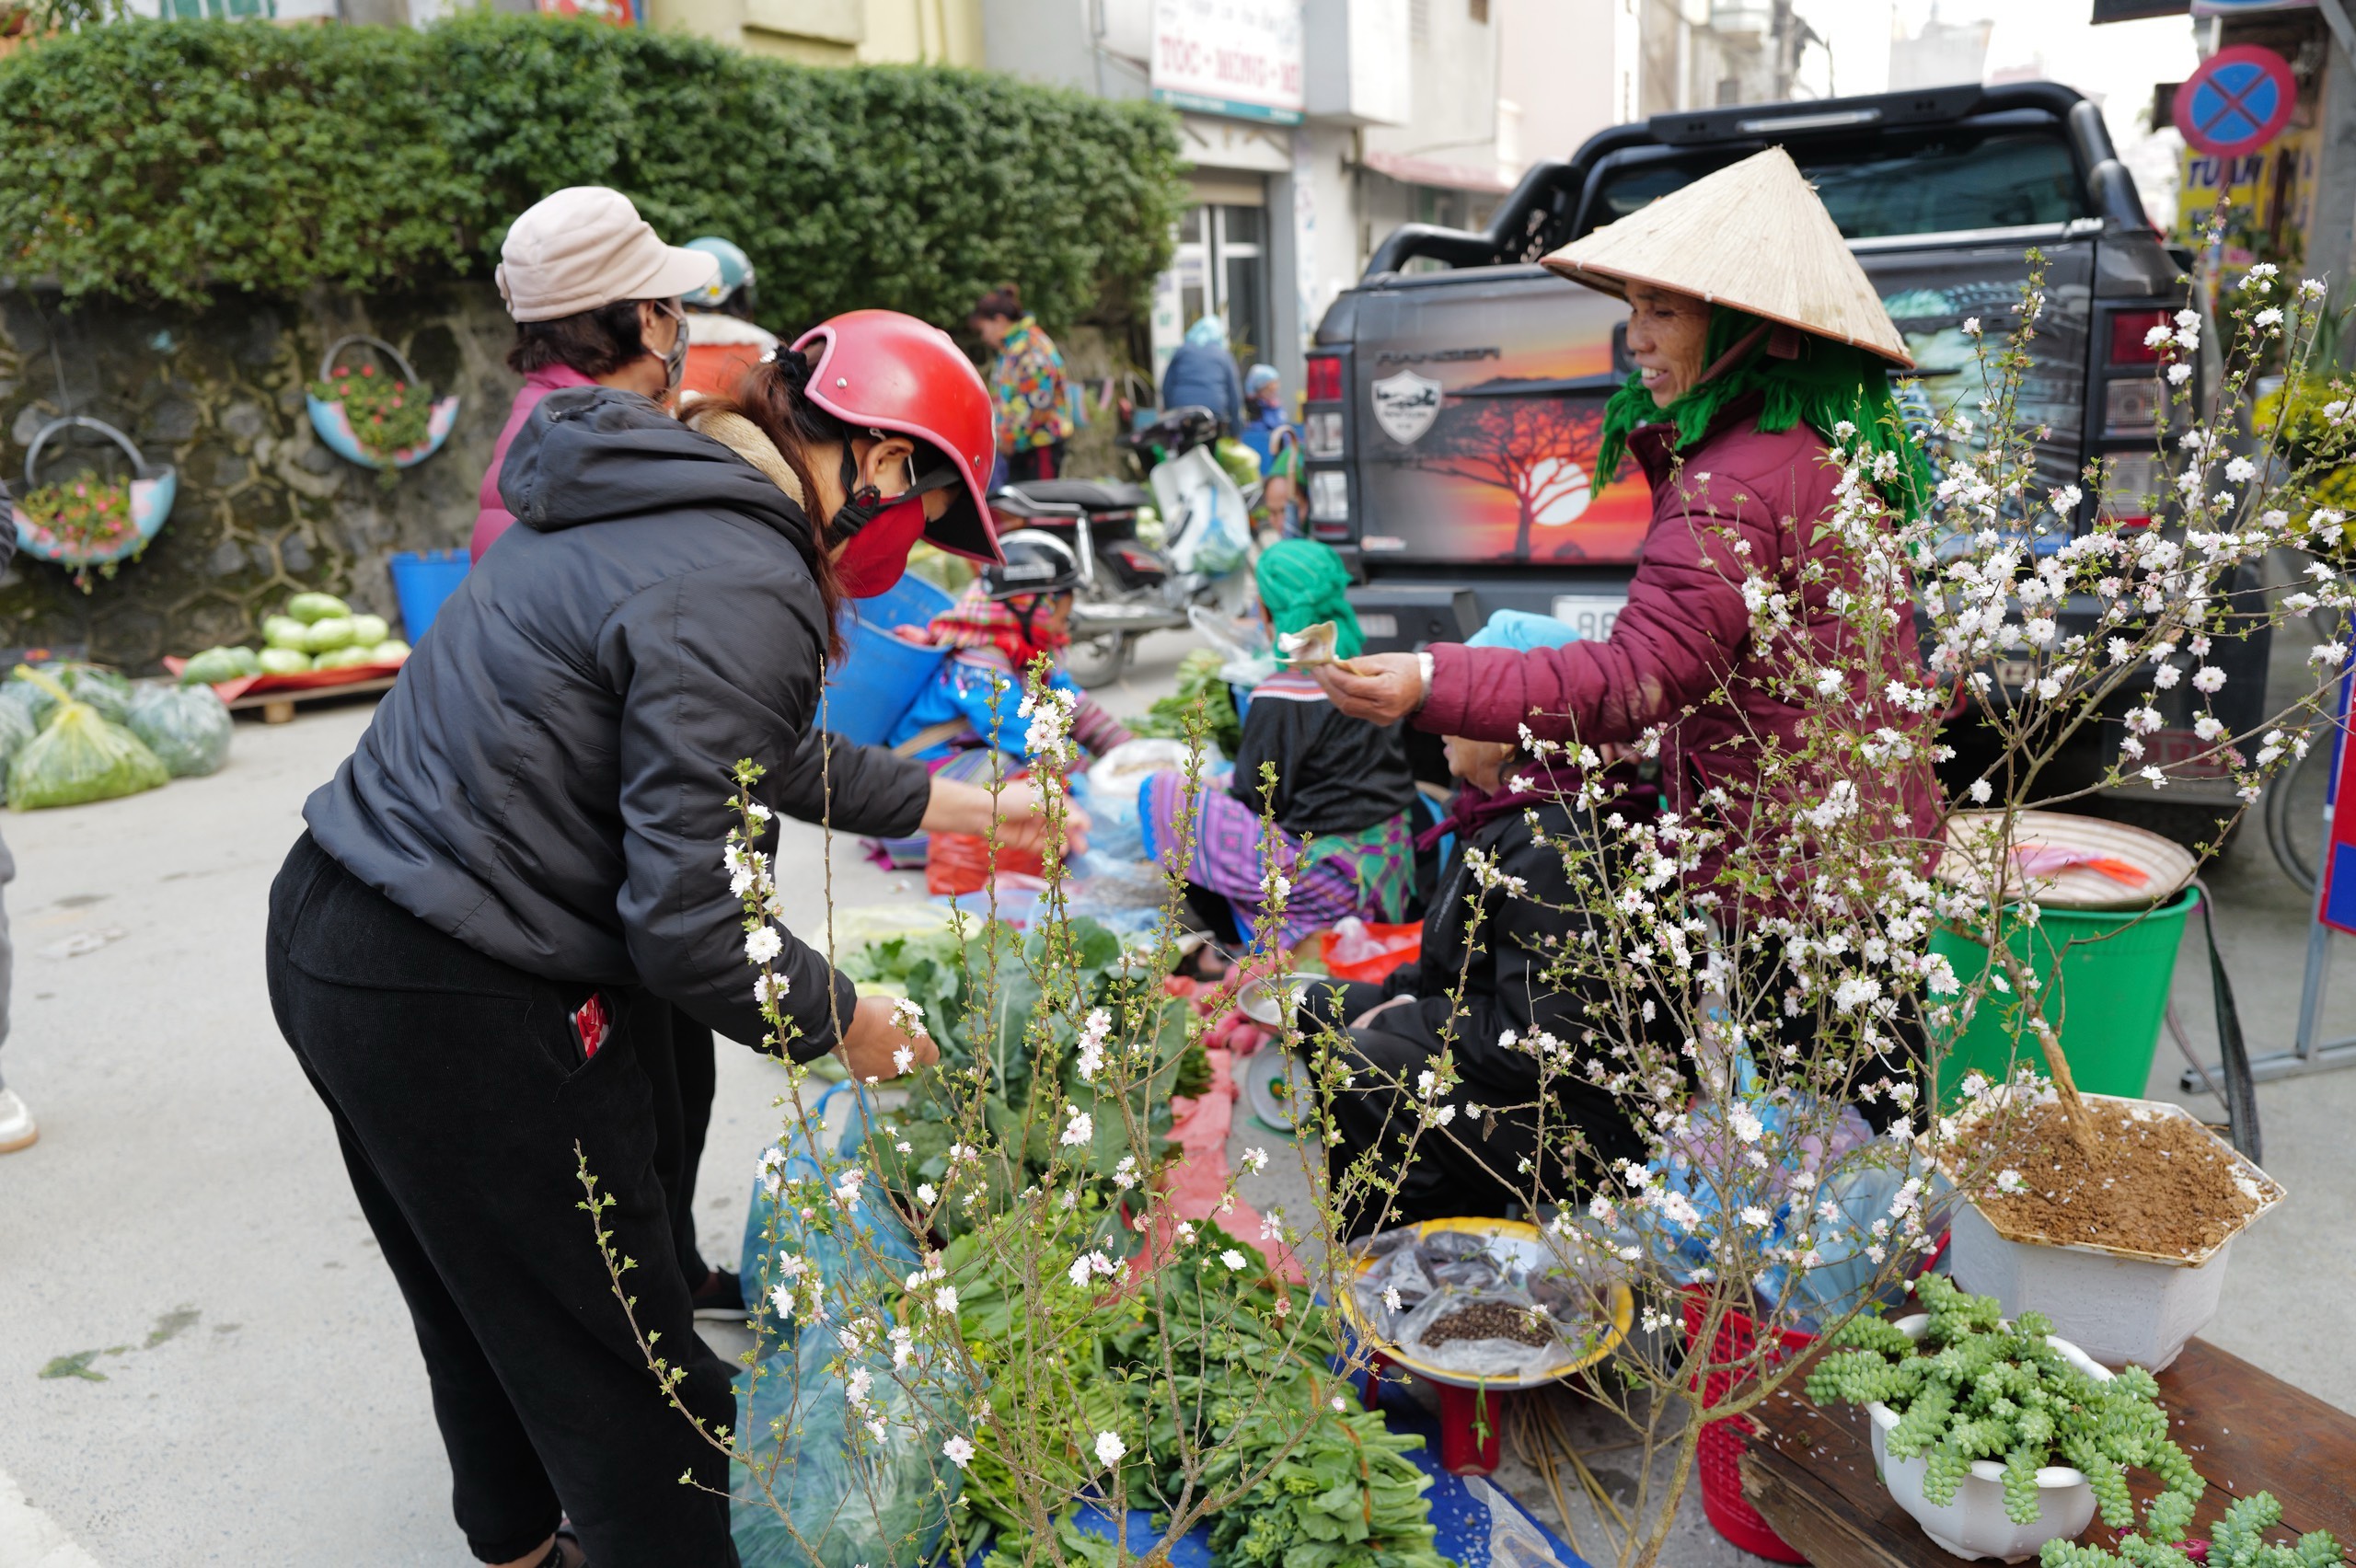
pixel 677 1056
pixel 458 1096
pixel 1035 463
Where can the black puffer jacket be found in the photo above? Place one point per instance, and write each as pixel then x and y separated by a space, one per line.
pixel 548 782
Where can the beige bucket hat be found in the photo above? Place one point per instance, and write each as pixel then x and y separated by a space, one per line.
pixel 586 246
pixel 1753 236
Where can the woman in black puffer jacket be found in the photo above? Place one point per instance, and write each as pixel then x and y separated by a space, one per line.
pixel 528 843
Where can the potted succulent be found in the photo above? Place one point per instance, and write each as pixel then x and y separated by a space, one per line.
pixel 2127 1269
pixel 1994 1434
pixel 384 421
pixel 90 523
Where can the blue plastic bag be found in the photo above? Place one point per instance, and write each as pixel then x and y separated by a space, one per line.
pixel 864 1482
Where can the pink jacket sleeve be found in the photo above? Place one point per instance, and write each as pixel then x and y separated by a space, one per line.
pixel 1682 633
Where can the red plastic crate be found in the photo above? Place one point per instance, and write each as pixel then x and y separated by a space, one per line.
pixel 1720 1449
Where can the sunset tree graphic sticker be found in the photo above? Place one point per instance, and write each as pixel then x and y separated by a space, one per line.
pixel 1539 449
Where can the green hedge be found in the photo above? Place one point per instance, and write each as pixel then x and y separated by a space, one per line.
pixel 172 160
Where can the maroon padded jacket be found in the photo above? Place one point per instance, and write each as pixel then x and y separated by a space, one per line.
pixel 1684 640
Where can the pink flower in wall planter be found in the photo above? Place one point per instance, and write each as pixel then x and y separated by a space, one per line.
pixel 386 422
pixel 91 524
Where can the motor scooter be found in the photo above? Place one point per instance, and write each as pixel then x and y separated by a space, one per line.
pixel 1128 586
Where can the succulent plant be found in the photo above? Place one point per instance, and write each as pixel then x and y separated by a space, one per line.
pixel 2240 1540
pixel 1976 1387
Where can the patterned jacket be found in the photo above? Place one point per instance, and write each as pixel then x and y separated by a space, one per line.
pixel 1027 384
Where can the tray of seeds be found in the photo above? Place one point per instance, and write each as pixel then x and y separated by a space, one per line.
pixel 1486 1301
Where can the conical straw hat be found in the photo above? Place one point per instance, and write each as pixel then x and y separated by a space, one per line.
pixel 1752 236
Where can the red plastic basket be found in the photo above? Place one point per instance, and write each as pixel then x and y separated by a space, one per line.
pixel 1720 1449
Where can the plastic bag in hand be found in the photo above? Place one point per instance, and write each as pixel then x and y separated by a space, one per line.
pixel 78 756
pixel 187 727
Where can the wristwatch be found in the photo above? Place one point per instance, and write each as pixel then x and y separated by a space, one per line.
pixel 1424 668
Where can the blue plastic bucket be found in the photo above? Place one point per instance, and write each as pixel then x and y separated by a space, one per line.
pixel 880 677
pixel 911 601
pixel 422 581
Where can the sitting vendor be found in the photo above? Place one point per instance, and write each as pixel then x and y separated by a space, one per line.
pixel 1475 991
pixel 1340 797
pixel 1020 609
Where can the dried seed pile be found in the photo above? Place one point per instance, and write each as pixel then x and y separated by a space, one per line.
pixel 1490 1320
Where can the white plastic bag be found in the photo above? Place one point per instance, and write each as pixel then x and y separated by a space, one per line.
pixel 1211 527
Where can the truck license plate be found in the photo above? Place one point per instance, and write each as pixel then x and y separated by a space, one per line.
pixel 1590 615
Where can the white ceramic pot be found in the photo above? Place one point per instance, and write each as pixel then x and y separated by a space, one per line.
pixel 2121 1307
pixel 1975 1524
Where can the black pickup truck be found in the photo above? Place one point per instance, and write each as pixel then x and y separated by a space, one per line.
pixel 1455 396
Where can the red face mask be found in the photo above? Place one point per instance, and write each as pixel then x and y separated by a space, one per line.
pixel 877 556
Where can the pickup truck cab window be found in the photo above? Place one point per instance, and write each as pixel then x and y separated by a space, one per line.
pixel 1949 182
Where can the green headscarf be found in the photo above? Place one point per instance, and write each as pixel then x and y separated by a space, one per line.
pixel 1828 382
pixel 1302 583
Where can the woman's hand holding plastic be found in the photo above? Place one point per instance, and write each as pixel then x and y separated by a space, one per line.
pixel 877 1044
pixel 1381 687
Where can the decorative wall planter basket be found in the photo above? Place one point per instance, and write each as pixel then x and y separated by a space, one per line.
pixel 89 522
pixel 333 417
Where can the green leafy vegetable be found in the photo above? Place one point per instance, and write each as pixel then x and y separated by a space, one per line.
pixel 981 997
pixel 1199 686
pixel 1223 1366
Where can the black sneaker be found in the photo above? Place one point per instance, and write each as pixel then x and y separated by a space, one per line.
pixel 720 1299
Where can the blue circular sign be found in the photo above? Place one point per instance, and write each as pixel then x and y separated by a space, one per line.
pixel 2236 102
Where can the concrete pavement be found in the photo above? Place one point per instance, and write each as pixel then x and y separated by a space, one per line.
pixel 184 1234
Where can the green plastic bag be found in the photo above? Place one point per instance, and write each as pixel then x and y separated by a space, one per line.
pixel 17 728
pixel 1242 464
pixel 78 756
pixel 188 728
pixel 101 689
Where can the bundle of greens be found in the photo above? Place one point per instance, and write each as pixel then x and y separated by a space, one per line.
pixel 1976 1388
pixel 1201 689
pixel 1223 1372
pixel 981 994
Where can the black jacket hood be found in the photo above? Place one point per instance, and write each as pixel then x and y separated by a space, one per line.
pixel 596 454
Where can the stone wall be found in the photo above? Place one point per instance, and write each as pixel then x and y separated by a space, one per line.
pixel 264 509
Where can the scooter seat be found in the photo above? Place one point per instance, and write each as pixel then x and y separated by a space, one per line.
pixel 1094 495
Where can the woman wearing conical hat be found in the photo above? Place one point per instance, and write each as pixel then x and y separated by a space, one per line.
pixel 1755 333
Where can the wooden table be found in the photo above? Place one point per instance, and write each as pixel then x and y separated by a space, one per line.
pixel 278 706
pixel 1810 1473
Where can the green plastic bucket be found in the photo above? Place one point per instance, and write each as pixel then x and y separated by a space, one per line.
pixel 2106 999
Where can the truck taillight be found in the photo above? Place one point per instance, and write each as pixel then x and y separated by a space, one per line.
pixel 1324 378
pixel 1321 433
pixel 2128 330
pixel 2131 405
pixel 1329 495
pixel 2131 498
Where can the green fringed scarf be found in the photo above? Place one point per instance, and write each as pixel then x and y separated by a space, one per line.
pixel 1828 382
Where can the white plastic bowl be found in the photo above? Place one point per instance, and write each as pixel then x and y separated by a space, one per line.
pixel 1974 1524
pixel 2121 1307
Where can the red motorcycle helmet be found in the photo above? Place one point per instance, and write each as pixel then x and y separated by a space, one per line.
pixel 881 370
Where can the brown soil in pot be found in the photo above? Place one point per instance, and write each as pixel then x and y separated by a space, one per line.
pixel 2162 1184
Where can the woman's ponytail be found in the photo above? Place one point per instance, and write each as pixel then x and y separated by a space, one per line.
pixel 774 394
